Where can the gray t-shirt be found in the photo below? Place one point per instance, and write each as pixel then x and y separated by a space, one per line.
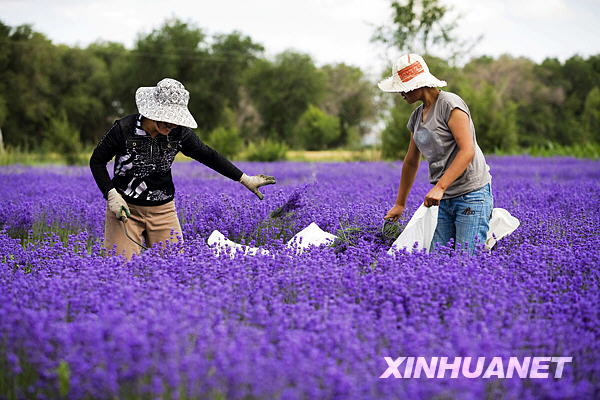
pixel 437 144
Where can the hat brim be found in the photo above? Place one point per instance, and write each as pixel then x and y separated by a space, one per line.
pixel 394 84
pixel 150 108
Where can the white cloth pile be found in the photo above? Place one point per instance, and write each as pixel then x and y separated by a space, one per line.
pixel 312 235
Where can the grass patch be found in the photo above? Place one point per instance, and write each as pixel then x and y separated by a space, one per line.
pixel 585 150
pixel 18 156
pixel 12 155
pixel 339 155
pixel 41 230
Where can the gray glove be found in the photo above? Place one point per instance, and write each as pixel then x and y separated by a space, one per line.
pixel 256 181
pixel 117 205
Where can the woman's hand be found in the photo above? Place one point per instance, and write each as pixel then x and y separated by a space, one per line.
pixel 434 197
pixel 394 213
pixel 118 205
pixel 255 182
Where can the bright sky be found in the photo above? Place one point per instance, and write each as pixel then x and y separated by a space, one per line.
pixel 330 30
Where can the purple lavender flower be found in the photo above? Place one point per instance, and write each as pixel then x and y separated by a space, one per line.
pixel 182 323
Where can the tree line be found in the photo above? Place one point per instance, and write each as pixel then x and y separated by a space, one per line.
pixel 61 98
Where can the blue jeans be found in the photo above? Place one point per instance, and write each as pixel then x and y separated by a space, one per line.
pixel 465 219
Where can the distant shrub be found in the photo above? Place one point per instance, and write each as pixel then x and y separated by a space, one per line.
pixel 316 130
pixel 266 150
pixel 226 141
pixel 395 137
pixel 62 138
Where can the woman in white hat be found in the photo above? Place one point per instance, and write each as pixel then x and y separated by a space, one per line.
pixel 144 146
pixel 441 129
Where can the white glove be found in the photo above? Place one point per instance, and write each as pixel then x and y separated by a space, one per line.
pixel 256 181
pixel 117 205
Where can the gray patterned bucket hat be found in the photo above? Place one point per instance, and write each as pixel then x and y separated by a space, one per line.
pixel 167 102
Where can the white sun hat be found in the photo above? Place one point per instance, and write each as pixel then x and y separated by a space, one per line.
pixel 409 72
pixel 167 102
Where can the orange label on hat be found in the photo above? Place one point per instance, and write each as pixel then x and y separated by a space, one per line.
pixel 407 73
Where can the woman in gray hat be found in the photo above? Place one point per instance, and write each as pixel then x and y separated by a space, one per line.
pixel 441 129
pixel 144 146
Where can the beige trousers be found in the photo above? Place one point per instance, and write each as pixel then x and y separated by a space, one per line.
pixel 156 224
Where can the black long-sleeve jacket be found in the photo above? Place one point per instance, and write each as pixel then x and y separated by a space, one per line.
pixel 142 170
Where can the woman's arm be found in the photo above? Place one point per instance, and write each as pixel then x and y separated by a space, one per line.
pixel 410 166
pixel 460 127
pixel 103 153
pixel 192 147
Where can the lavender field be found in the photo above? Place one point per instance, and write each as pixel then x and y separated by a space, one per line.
pixel 180 323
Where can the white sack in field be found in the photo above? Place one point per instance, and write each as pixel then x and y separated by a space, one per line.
pixel 501 224
pixel 223 245
pixel 421 227
pixel 312 235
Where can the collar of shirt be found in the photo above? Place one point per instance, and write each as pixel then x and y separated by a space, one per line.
pixel 138 127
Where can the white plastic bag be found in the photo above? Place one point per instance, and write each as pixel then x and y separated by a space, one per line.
pixel 222 245
pixel 501 224
pixel 312 235
pixel 420 229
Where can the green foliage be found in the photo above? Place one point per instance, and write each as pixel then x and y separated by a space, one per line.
pixel 591 116
pixel 266 150
pixel 27 85
pixel 12 381
pixel 584 150
pixel 232 54
pixel 316 130
pixel 395 137
pixel 420 25
pixel 62 138
pixel 226 141
pixel 63 373
pixel 58 99
pixel 282 90
pixel 350 97
pixel 494 117
pixel 348 235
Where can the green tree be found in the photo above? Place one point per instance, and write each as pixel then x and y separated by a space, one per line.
pixel 226 141
pixel 28 87
pixel 231 56
pixel 5 54
pixel 422 25
pixel 494 117
pixel 266 150
pixel 395 137
pixel 226 137
pixel 591 117
pixel 282 90
pixel 350 97
pixel 212 71
pixel 84 93
pixel 63 138
pixel 116 59
pixel 316 130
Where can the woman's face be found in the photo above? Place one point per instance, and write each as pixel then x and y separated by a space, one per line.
pixel 411 96
pixel 164 128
